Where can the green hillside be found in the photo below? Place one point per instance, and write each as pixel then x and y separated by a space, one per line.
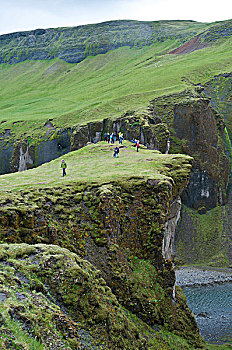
pixel 106 85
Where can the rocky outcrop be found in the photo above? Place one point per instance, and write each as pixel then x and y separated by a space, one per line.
pixel 201 127
pixel 20 155
pixel 119 227
pixel 6 153
pixel 151 133
pixel 196 129
pixel 180 123
pixel 218 90
pixel 30 153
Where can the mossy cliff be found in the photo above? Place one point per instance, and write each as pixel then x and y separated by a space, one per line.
pixel 219 92
pixel 198 130
pixel 141 126
pixel 206 239
pixel 120 227
pixel 18 153
pixel 53 299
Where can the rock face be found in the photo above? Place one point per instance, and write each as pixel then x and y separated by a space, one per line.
pixel 170 228
pixel 218 91
pixel 119 227
pixel 6 152
pixel 150 132
pixel 201 127
pixel 213 227
pixel 20 155
pixel 198 131
pixel 205 239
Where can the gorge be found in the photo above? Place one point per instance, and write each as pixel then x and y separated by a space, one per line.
pixel 87 260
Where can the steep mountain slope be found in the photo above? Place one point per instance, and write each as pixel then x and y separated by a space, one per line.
pixel 103 86
pixel 76 43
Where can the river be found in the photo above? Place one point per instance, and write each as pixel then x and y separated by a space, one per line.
pixel 210 302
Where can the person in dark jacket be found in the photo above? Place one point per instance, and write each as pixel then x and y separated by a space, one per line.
pixel 116 152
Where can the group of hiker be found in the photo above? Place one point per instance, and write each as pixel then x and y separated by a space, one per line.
pixel 110 138
pixel 120 138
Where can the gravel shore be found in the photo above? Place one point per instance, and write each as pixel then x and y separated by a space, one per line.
pixel 193 276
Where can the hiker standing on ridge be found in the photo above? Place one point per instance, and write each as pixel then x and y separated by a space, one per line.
pixel 63 166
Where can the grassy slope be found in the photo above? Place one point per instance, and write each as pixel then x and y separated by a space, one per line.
pixel 101 86
pixel 94 163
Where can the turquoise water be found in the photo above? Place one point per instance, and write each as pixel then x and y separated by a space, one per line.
pixel 212 306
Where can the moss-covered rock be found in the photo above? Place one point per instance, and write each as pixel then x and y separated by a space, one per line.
pixel 52 299
pixel 36 279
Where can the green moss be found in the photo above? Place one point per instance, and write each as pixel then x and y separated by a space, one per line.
pixel 208 244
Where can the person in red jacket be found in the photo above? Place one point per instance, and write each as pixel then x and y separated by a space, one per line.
pixel 137 145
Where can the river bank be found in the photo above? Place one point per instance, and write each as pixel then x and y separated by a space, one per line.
pixel 193 276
